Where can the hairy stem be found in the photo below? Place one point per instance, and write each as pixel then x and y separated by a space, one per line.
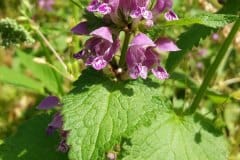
pixel 50 47
pixel 213 68
pixel 122 61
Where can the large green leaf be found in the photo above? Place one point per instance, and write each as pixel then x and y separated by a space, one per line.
pixel 173 137
pixel 48 76
pixel 99 111
pixel 209 20
pixel 32 143
pixel 16 78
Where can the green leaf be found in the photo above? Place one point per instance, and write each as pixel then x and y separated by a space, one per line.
pixel 16 78
pixel 178 138
pixel 49 77
pixel 209 20
pixel 98 112
pixel 187 41
pixel 32 143
pixel 94 21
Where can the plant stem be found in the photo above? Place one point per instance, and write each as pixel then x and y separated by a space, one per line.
pixel 50 47
pixel 76 3
pixel 122 61
pixel 213 68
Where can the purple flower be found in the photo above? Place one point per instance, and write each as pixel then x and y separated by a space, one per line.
pixel 161 6
pixel 80 29
pixel 46 4
pixel 49 102
pixel 55 124
pixel 101 7
pixel 121 10
pixel 63 146
pixel 125 15
pixel 171 16
pixel 57 121
pixel 100 49
pixel 141 56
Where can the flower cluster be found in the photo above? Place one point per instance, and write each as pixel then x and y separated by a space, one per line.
pixel 11 33
pixel 125 15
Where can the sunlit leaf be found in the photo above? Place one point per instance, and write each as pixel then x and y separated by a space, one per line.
pixel 178 138
pixel 98 112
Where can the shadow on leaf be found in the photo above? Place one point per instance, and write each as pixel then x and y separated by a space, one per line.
pixel 91 77
pixel 31 142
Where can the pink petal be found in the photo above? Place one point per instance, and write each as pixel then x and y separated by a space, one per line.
pixel 93 6
pixel 165 44
pixel 104 9
pixel 143 72
pixel 162 5
pixel 99 63
pixel 104 33
pixel 171 16
pixel 143 41
pixel 160 73
pixel 80 29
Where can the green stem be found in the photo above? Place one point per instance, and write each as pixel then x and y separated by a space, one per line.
pixel 122 61
pixel 48 44
pixel 213 68
pixel 80 6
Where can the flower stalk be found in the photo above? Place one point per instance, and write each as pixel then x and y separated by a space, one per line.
pixel 122 61
pixel 212 70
